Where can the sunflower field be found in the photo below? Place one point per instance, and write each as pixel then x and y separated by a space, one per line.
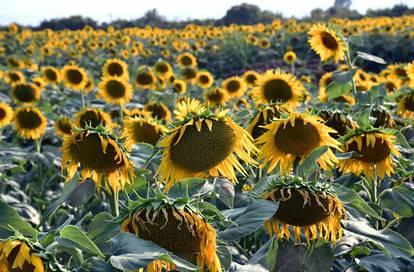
pixel 279 147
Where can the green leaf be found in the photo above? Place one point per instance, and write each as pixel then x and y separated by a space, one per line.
pixel 342 77
pixel 377 263
pixel 225 190
pixel 399 199
pixel 195 187
pixel 310 165
pixel 225 257
pixel 263 184
pixel 130 252
pixel 249 220
pixel 351 198
pixel 369 57
pixel 363 118
pixel 335 90
pixel 79 237
pixel 356 40
pixel 10 221
pixel 390 242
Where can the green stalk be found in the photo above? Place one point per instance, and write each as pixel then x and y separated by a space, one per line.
pixel 349 64
pixel 113 197
pixel 83 100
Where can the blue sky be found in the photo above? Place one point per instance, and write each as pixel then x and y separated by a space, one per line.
pixel 31 12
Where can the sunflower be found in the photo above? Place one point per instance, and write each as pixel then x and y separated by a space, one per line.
pixel 392 84
pixel 405 105
pixel 158 111
pixel 234 86
pixel 189 74
pixel 324 82
pixel 264 43
pixel 26 92
pixel 115 68
pixel 16 255
pixel 337 120
pixel 136 112
pixel 63 126
pixel 289 57
pixel 90 85
pixel 186 60
pixel 294 138
pixel 264 116
pixel 382 117
pixel 30 122
pixel 145 78
pixel 376 149
pixel 277 86
pixel 204 79
pixel 203 143
pixel 74 77
pixel 309 209
pixel 326 43
pixel 216 97
pixel 39 82
pixel 400 71
pixel 115 90
pixel 14 77
pixel 141 130
pixel 163 68
pixel 92 117
pixel 179 86
pixel 6 114
pixel 251 77
pixel 180 229
pixel 100 155
pixel 51 75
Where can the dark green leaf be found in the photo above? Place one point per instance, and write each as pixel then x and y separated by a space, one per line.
pixel 356 40
pixel 10 221
pixel 378 263
pixel 335 90
pixel 79 237
pixel 399 199
pixel 310 165
pixel 195 187
pixel 225 190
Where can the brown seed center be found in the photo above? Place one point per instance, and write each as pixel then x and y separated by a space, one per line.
pixel 370 154
pixel 329 41
pixel 277 90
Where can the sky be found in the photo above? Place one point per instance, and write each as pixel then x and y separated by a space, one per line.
pixel 32 12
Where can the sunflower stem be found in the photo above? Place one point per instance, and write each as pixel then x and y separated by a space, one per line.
pixel 114 202
pixel 38 145
pixel 349 64
pixel 121 114
pixel 292 68
pixel 82 100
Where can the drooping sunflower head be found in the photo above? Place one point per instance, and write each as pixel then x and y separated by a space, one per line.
pixel 17 255
pixel 145 78
pixel 405 105
pixel 327 43
pixel 51 75
pixel 251 77
pixel 216 97
pixel 204 79
pixel 163 68
pixel 202 144
pixel 289 57
pixel 337 120
pixel 376 149
pixel 180 229
pixel 186 60
pixel 189 74
pixel 29 122
pixel 265 115
pixel 309 209
pixel 293 138
pixel 74 77
pixel 63 126
pixel 115 68
pixel 158 111
pixel 26 92
pixel 179 86
pixel 6 114
pixel 141 130
pixel 100 155
pixel 234 86
pixel 92 117
pixel 115 90
pixel 277 86
pixel 382 117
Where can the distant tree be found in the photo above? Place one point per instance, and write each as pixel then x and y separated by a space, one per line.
pixel 317 14
pixel 343 4
pixel 242 14
pixel 72 23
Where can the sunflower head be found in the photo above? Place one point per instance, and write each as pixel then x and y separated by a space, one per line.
pixel 382 117
pixel 405 105
pixel 145 78
pixel 19 255
pixel 251 77
pixel 277 86
pixel 92 117
pixel 234 86
pixel 186 60
pixel 176 226
pixel 115 90
pixel 6 114
pixel 63 126
pixel 74 77
pixel 289 57
pixel 337 120
pixel 158 111
pixel 204 79
pixel 141 130
pixel 26 92
pixel 189 74
pixel 311 209
pixel 327 43
pixel 100 155
pixel 375 148
pixel 295 137
pixel 264 116
pixel 179 86
pixel 115 68
pixel 51 75
pixel 14 77
pixel 163 68
pixel 216 97
pixel 204 143
pixel 324 82
pixel 30 122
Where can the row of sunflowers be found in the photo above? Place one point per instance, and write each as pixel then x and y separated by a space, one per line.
pixel 121 150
